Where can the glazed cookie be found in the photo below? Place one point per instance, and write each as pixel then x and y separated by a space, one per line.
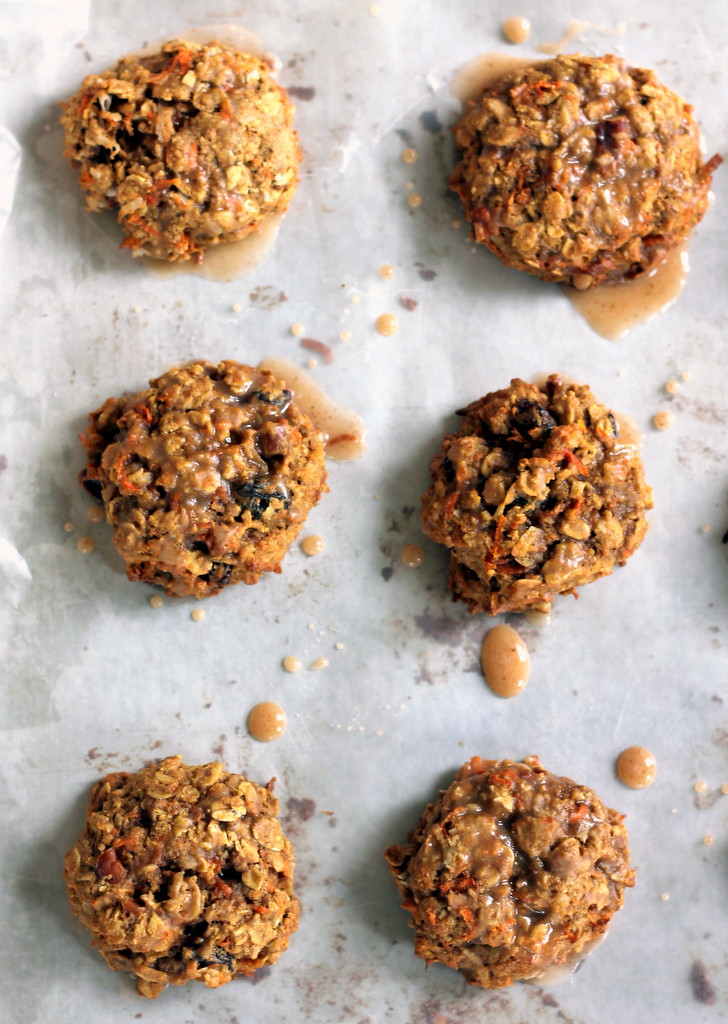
pixel 206 477
pixel 581 169
pixel 535 495
pixel 191 146
pixel 511 873
pixel 182 874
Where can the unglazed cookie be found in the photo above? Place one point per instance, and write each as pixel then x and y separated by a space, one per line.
pixel 206 477
pixel 535 495
pixel 581 169
pixel 182 874
pixel 511 872
pixel 191 146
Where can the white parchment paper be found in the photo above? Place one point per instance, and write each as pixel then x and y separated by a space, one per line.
pixel 95 680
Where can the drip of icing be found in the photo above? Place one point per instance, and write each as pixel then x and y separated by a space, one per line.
pixel 505 661
pixel 343 430
pixel 612 310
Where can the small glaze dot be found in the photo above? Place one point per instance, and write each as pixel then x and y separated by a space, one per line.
pixel 415 199
pixel 700 787
pixel 68 527
pixel 297 329
pixel 312 545
pixel 96 514
pixel 236 307
pixel 672 387
pixel 345 335
pixel 85 545
pixel 292 664
pixel 663 420
pixel 387 325
pixel 708 840
pixel 266 721
pixel 516 29
pixel 409 155
pixel 156 601
pixel 386 271
pixel 197 615
pixel 413 556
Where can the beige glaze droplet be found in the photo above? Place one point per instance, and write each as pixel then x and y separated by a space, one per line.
pixel 345 335
pixel 297 329
pixel 483 71
pixel 266 721
pixel 409 155
pixel 505 661
pixel 413 556
pixel 386 271
pixel 156 601
pixel 708 840
pixel 672 387
pixel 292 664
pixel 85 545
pixel 68 527
pixel 613 309
pixel 415 199
pixel 319 664
pixel 312 545
pixel 700 786
pixel 686 375
pixel 516 29
pixel 198 615
pixel 663 420
pixel 636 767
pixel 343 430
pixel 96 514
pixel 387 325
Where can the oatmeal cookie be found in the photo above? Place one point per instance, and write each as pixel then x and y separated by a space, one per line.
pixel 206 477
pixel 581 169
pixel 192 146
pixel 182 874
pixel 511 872
pixel 535 495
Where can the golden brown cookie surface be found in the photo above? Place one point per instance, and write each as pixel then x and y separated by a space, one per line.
pixel 581 169
pixel 182 874
pixel 207 476
pixel 511 871
pixel 535 495
pixel 191 146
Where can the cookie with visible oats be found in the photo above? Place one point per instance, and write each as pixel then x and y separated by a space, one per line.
pixel 190 146
pixel 581 169
pixel 207 476
pixel 511 873
pixel 535 495
pixel 182 874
